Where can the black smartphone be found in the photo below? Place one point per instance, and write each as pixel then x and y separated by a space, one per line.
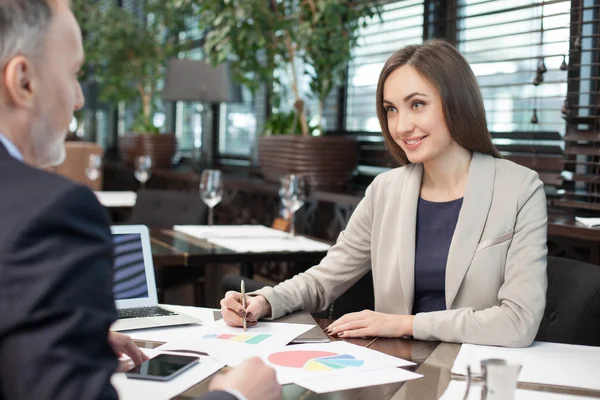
pixel 162 367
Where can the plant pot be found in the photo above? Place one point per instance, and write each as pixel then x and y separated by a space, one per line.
pixel 160 147
pixel 327 163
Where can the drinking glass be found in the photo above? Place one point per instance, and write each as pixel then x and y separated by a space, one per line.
pixel 143 165
pixel 94 167
pixel 292 193
pixel 211 190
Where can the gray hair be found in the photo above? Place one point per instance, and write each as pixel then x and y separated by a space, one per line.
pixel 23 24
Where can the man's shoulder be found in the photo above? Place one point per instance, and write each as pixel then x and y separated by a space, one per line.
pixel 28 192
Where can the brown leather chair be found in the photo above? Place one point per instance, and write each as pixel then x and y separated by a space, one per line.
pixel 77 161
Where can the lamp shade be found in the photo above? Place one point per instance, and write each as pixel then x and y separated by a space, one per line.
pixel 196 80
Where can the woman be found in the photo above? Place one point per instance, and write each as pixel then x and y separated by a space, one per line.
pixel 456 238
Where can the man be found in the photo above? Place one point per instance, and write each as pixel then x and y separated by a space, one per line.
pixel 56 302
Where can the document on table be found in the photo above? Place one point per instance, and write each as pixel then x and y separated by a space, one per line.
pixel 231 344
pixel 262 245
pixel 116 199
pixel 134 389
pixel 456 391
pixel 589 222
pixel 229 231
pixel 543 363
pixel 358 380
pixel 304 362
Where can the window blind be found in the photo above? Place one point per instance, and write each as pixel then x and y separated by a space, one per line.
pixel 516 49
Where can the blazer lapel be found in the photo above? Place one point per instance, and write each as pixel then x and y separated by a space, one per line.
pixel 471 221
pixel 407 225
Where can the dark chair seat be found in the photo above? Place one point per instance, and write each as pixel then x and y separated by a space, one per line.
pixel 572 312
pixel 163 209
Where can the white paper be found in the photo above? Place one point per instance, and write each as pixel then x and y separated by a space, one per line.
pixel 456 391
pixel 358 380
pixel 229 231
pixel 135 389
pixel 304 362
pixel 543 363
pixel 224 342
pixel 180 332
pixel 116 199
pixel 261 245
pixel 589 222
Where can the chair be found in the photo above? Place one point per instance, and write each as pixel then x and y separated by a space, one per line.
pixel 572 312
pixel 76 162
pixel 163 209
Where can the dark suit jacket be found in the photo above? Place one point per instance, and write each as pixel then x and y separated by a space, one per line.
pixel 56 303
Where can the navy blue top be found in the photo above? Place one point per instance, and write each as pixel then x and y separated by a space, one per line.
pixel 435 226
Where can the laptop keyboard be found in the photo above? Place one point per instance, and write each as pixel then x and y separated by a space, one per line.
pixel 144 312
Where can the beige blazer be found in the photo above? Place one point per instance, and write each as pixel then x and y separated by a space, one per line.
pixel 496 270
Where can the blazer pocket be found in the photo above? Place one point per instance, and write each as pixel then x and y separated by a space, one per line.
pixel 494 241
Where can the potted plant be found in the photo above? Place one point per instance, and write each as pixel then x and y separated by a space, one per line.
pixel 259 37
pixel 127 55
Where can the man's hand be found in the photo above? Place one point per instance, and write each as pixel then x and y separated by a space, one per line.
pixel 253 378
pixel 123 344
pixel 369 323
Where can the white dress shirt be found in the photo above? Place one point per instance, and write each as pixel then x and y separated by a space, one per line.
pixel 11 148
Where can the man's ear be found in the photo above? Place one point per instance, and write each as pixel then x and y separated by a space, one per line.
pixel 20 82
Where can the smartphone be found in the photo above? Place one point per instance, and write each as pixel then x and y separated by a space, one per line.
pixel 162 367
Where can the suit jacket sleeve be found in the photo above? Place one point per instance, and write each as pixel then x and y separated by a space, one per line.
pixel 522 296
pixel 346 262
pixel 56 301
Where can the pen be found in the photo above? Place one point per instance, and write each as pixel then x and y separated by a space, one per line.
pixel 243 290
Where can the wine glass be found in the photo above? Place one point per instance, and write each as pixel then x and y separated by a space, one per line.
pixel 292 193
pixel 94 167
pixel 211 190
pixel 142 173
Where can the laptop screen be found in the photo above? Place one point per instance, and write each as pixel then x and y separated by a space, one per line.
pixel 129 272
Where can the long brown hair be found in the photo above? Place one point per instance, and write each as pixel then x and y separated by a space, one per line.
pixel 441 64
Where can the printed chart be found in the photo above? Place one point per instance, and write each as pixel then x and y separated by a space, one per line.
pixel 314 360
pixel 248 339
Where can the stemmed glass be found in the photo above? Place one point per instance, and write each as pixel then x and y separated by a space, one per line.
pixel 143 165
pixel 292 193
pixel 94 167
pixel 211 190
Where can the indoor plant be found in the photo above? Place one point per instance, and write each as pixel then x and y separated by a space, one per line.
pixel 127 55
pixel 259 37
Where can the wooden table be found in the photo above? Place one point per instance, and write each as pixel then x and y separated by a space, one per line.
pixel 170 248
pixel 434 360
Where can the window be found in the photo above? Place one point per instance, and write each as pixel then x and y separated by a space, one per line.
pixel 510 45
pixel 504 41
pixel 402 25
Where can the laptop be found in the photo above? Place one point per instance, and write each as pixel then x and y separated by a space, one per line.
pixel 134 285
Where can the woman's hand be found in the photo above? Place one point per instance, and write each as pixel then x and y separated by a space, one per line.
pixel 233 313
pixel 370 323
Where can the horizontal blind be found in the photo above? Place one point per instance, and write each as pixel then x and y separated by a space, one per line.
pixel 582 175
pixel 402 25
pixel 510 45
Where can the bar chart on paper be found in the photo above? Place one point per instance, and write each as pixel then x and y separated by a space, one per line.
pixel 248 339
pixel 314 360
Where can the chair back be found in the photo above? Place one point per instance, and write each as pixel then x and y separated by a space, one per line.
pixel 572 312
pixel 165 208
pixel 77 161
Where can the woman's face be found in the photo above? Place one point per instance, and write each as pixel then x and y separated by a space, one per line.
pixel 414 115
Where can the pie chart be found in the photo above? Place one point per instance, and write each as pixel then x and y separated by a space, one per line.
pixel 314 360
